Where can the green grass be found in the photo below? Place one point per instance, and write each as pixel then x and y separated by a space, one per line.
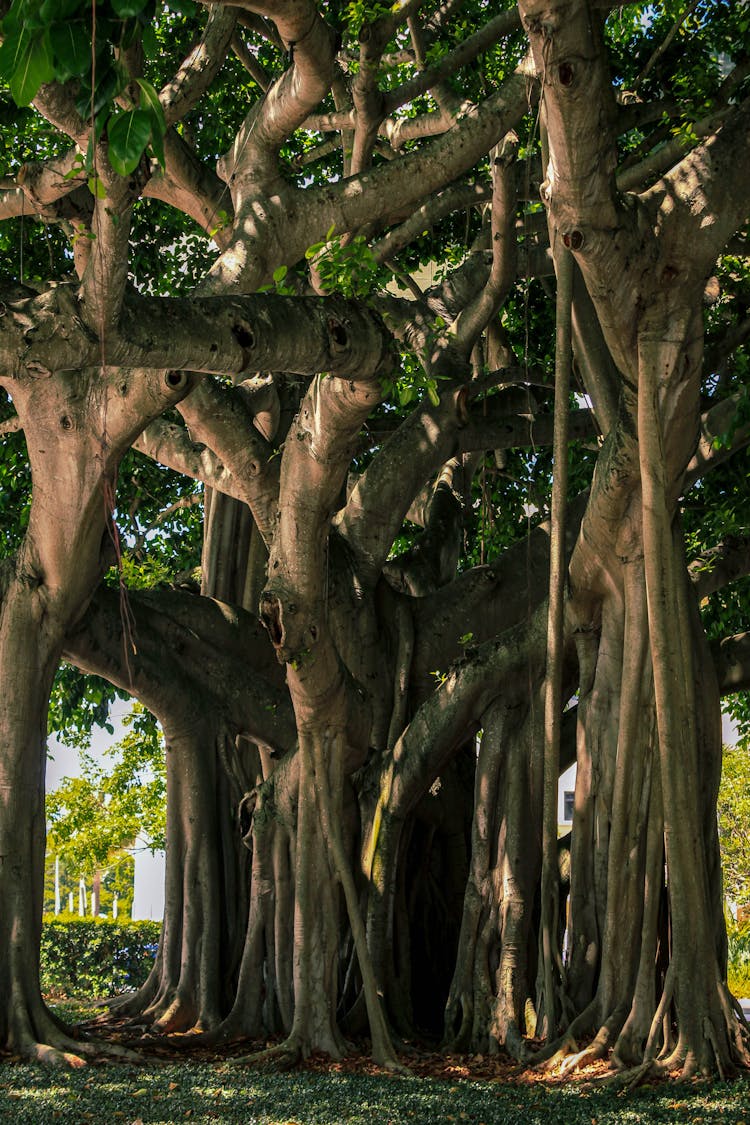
pixel 201 1093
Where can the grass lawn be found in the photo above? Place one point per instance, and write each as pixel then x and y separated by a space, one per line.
pixel 211 1092
pixel 203 1087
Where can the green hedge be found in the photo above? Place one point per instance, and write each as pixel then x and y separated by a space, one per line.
pixel 86 957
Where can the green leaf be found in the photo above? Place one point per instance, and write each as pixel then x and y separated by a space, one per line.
pixel 96 187
pixel 151 104
pixel 126 9
pixel 52 11
pixel 110 81
pixel 157 144
pixel 313 250
pixel 14 19
pixel 432 394
pixel 149 41
pixel 279 274
pixel 71 47
pixel 12 51
pixel 128 135
pixel 34 69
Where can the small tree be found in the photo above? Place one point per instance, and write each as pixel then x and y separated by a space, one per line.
pixel 95 819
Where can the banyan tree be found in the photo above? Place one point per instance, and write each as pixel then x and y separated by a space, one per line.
pixel 439 313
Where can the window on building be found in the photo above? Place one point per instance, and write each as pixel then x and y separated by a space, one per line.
pixel 568 801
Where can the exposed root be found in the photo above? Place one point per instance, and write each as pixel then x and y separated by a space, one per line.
pixel 660 1015
pixel 393 1066
pixel 558 1049
pixel 48 1055
pixel 578 1061
pixel 552 1056
pixel 634 1076
pixel 282 1056
pixel 64 1051
pixel 516 1045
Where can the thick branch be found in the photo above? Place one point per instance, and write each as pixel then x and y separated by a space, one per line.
pixel 712 187
pixel 714 448
pixel 217 653
pixel 426 440
pixel 38 187
pixel 454 198
pixel 201 65
pixel 271 236
pixel 289 100
pixel 223 419
pixel 193 188
pixel 472 320
pixel 494 30
pixel 219 335
pixel 171 445
pixel 719 566
pixel 732 661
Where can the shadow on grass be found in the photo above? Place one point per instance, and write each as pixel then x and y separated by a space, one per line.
pixel 202 1093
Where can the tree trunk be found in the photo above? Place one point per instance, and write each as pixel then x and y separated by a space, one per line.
pixel 30 643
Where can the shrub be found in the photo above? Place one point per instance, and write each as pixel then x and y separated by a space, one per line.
pixel 738 971
pixel 96 956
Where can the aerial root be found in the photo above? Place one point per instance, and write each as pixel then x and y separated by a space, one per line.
pixel 710 1034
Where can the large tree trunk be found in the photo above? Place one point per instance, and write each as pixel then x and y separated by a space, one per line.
pixel 29 648
pixel 76 430
pixel 216 689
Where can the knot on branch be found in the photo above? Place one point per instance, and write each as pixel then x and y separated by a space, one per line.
pixel 574 240
pixel 566 74
pixel 245 337
pixel 175 381
pixel 271 616
pixel 338 336
pixel 292 633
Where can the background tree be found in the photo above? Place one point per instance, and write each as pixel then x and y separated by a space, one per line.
pixel 97 817
pixel 733 821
